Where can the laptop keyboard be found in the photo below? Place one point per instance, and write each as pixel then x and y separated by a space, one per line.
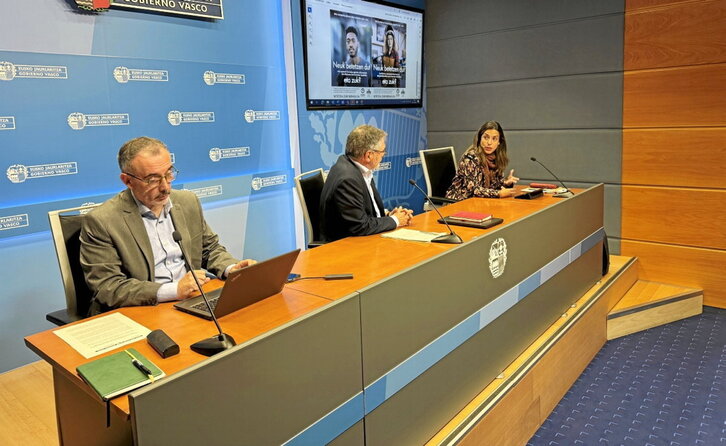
pixel 203 306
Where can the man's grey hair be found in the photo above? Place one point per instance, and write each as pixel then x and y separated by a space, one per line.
pixel 133 147
pixel 362 139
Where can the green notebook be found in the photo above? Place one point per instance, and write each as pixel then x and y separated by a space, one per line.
pixel 116 374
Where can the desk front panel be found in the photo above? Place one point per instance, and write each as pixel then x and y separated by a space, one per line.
pixel 435 334
pixel 267 391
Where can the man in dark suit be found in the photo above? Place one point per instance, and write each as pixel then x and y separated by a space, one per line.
pixel 350 203
pixel 128 253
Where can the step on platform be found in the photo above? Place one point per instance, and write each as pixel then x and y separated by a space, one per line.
pixel 650 304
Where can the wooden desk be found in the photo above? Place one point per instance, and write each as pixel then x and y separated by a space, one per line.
pixel 374 258
pixel 403 296
pixel 74 397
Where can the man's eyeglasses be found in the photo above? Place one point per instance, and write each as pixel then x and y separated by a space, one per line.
pixel 379 151
pixel 155 180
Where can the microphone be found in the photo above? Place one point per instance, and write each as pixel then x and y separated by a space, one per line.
pixel 567 193
pixel 295 277
pixel 215 344
pixel 451 237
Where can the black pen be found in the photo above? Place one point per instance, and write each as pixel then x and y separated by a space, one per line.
pixel 145 370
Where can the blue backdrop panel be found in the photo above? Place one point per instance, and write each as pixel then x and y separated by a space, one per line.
pixel 217 103
pixel 74 86
pixel 322 141
pixel 251 33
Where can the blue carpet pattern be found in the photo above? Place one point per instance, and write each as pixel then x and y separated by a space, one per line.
pixel 663 386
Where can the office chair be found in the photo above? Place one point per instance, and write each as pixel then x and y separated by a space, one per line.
pixel 309 185
pixel 439 167
pixel 65 227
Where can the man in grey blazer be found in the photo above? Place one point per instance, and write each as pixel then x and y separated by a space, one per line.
pixel 128 253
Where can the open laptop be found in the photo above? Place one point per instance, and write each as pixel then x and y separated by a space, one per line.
pixel 243 287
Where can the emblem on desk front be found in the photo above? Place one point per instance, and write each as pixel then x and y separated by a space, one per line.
pixel 497 257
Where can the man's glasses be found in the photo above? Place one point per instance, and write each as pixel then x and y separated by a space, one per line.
pixel 155 180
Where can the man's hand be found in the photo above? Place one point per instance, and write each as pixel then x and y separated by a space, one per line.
pixel 403 215
pixel 187 287
pixel 243 264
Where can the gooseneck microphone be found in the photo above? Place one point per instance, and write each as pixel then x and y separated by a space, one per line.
pixel 567 193
pixel 215 344
pixel 451 237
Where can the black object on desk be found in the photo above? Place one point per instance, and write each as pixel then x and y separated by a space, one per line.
pixel 530 194
pixel 471 224
pixel 295 277
pixel 162 343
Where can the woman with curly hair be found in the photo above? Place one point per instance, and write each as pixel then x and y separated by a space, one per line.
pixel 481 168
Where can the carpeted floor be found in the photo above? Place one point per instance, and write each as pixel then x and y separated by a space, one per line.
pixel 663 386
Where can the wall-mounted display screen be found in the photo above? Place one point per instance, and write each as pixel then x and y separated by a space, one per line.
pixel 362 54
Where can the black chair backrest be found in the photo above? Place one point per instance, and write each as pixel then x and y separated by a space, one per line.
pixel 311 187
pixel 71 225
pixel 441 168
pixel 65 228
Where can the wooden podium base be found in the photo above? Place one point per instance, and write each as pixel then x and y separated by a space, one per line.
pixel 511 409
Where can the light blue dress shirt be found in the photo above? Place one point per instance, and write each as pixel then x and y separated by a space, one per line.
pixel 169 265
pixel 168 262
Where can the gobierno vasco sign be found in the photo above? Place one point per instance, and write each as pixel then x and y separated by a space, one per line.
pixel 195 8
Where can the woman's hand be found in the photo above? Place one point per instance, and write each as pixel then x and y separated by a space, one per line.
pixel 504 193
pixel 511 180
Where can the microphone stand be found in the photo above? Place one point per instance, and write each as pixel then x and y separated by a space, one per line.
pixel 215 344
pixel 567 193
pixel 451 237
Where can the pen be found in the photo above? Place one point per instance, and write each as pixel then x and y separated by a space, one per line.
pixel 145 370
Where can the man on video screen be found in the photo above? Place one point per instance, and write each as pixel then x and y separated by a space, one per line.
pixel 352 45
pixel 350 66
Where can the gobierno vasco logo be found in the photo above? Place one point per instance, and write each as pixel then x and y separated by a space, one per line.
pixel 7 71
pixel 121 74
pixel 17 173
pixel 258 183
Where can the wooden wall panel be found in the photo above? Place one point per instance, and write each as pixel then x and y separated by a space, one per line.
pixel 674 113
pixel 676 216
pixel 679 265
pixel 651 157
pixel 678 97
pixel 676 35
pixel 632 5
